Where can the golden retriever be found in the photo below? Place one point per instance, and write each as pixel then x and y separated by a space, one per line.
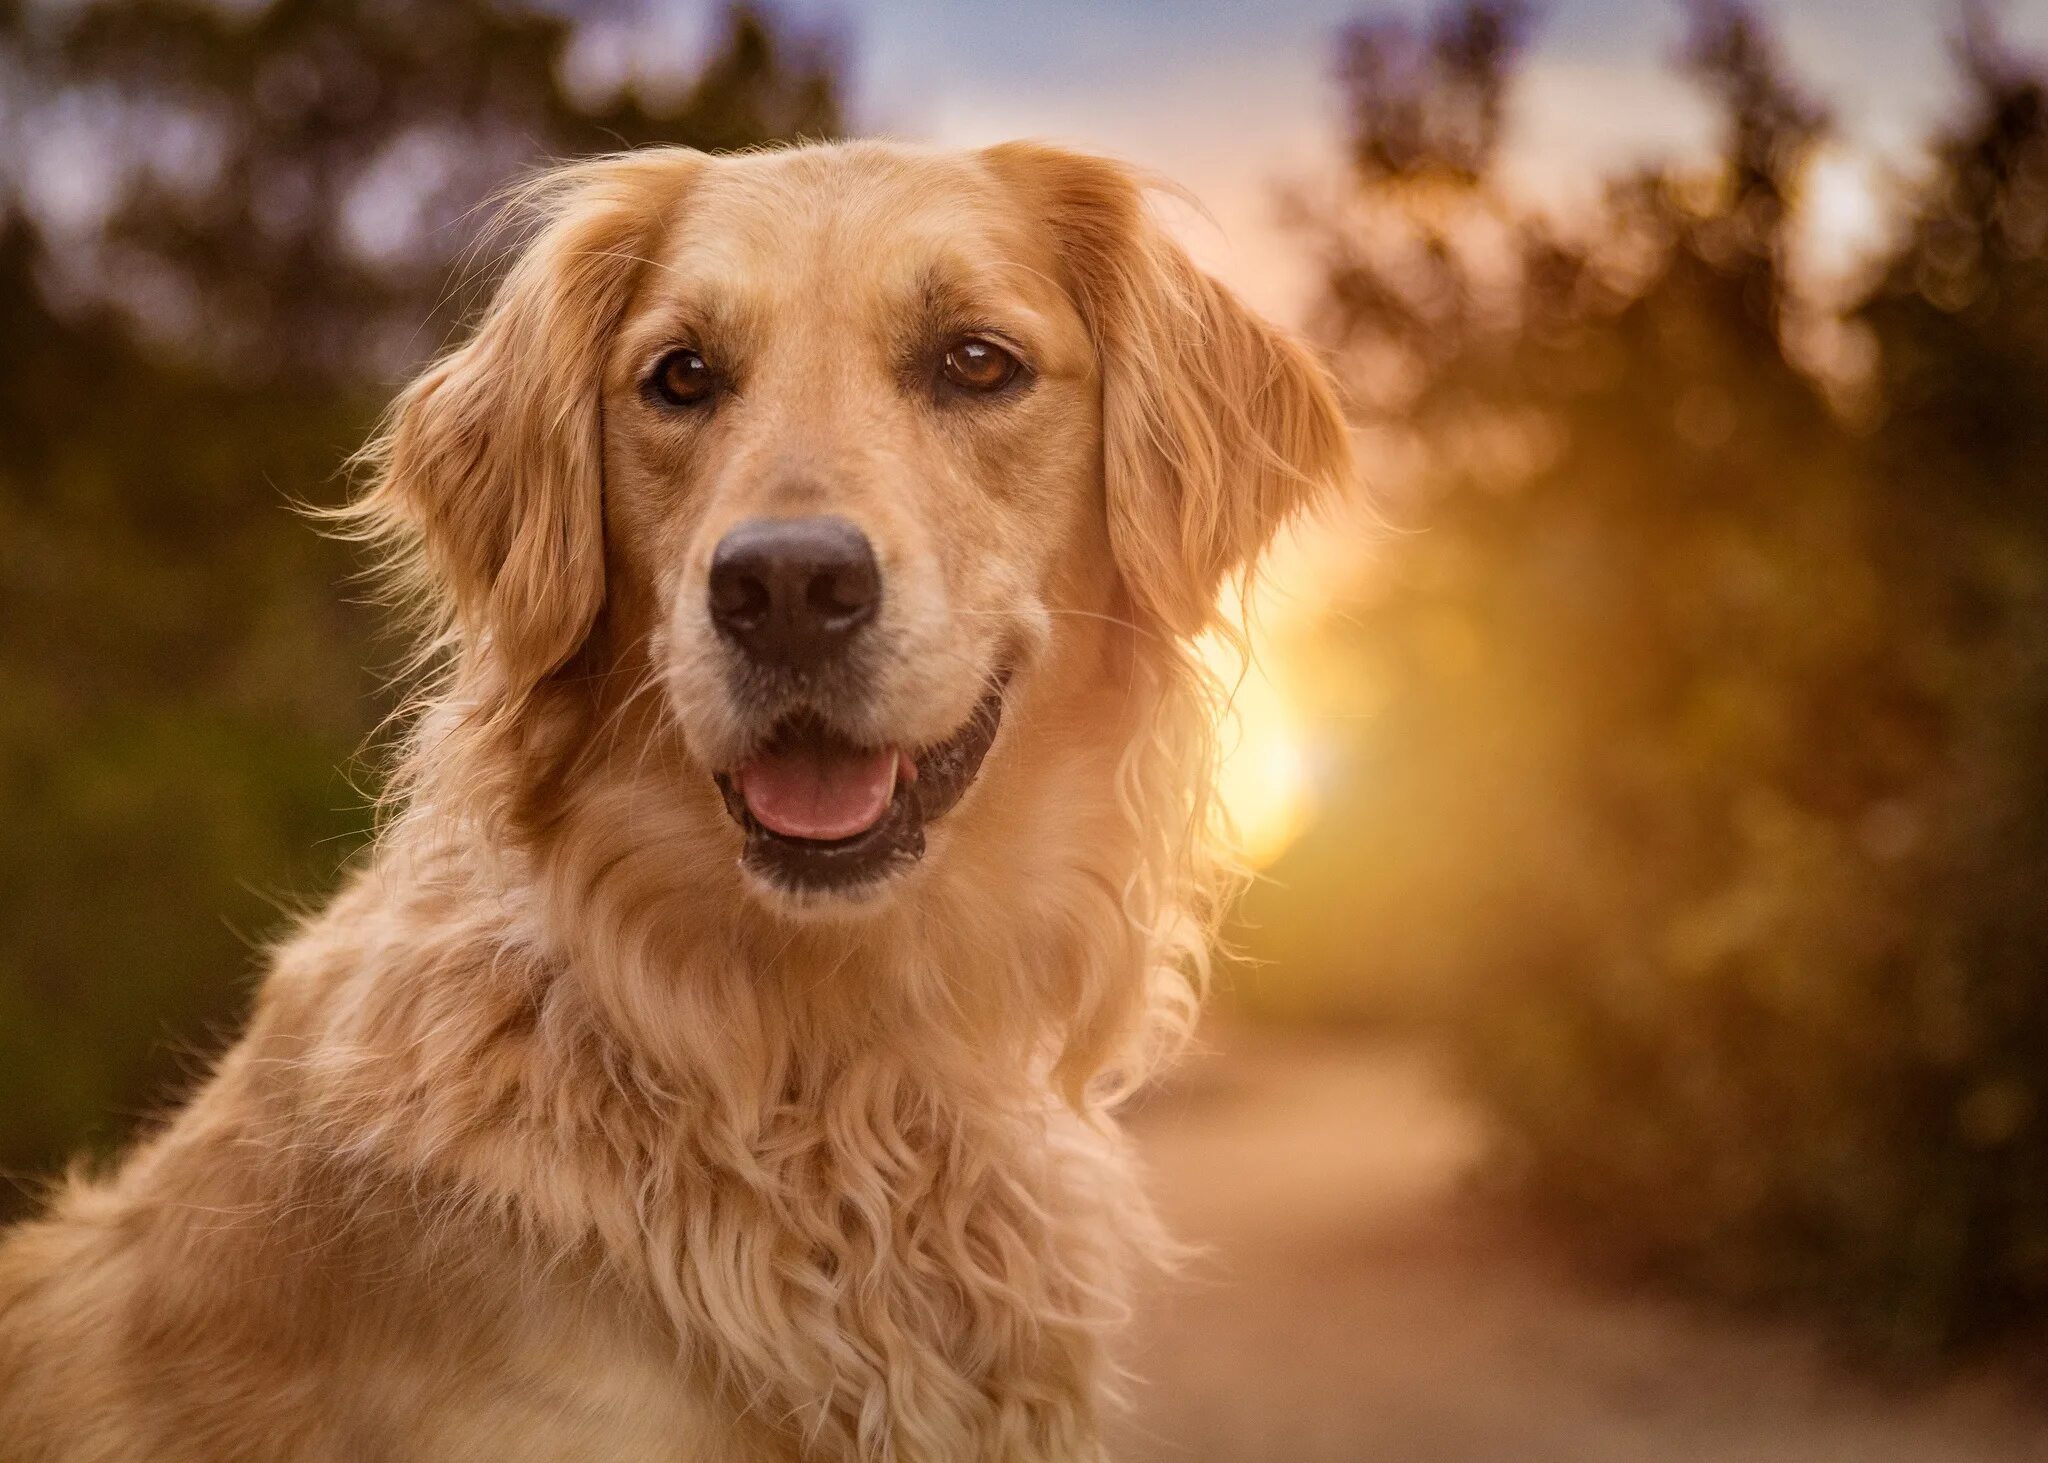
pixel 802 847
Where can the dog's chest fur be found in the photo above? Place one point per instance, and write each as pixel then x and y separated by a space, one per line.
pixel 549 1248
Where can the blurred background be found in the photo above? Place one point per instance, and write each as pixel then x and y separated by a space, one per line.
pixel 1637 1038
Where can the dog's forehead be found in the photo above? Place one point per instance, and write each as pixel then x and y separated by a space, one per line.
pixel 865 226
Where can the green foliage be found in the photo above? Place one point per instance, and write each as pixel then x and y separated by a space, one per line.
pixel 225 231
pixel 1703 802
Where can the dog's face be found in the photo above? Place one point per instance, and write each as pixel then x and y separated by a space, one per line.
pixel 850 435
pixel 861 454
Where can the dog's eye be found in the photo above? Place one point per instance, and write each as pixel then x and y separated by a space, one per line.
pixel 683 378
pixel 979 365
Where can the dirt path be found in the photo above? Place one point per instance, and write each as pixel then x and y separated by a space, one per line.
pixel 1358 1304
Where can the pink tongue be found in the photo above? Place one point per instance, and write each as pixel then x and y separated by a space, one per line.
pixel 819 793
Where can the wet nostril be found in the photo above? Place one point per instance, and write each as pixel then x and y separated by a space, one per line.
pixel 739 598
pixel 844 593
pixel 793 591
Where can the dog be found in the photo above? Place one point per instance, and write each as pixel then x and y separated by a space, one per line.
pixel 801 845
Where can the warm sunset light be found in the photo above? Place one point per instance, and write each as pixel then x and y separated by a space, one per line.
pixel 1264 782
pixel 1265 779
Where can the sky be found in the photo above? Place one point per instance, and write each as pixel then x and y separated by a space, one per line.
pixel 1233 100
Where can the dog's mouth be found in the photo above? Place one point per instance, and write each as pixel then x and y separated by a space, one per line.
pixel 822 813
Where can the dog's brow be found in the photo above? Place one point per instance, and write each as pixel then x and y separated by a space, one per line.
pixel 942 293
pixel 704 317
pixel 948 299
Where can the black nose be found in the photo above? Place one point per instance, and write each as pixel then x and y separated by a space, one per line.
pixel 793 591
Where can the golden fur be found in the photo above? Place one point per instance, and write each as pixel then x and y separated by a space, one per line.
pixel 554 1136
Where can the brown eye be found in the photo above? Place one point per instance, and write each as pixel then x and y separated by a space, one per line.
pixel 683 378
pixel 979 365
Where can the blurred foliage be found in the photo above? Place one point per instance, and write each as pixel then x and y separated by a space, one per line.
pixel 1698 785
pixel 225 230
pixel 1695 784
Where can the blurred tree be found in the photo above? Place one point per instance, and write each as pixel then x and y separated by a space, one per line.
pixel 291 182
pixel 224 231
pixel 1960 460
pixel 1429 108
pixel 1704 803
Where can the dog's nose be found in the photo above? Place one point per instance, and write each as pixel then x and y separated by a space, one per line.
pixel 793 591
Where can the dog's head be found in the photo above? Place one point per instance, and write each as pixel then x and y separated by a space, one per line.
pixel 881 470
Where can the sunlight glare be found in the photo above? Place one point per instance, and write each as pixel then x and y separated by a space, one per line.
pixel 1264 780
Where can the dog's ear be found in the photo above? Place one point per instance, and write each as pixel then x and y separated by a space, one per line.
pixel 491 465
pixel 1216 426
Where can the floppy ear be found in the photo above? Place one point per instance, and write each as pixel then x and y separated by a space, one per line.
pixel 492 462
pixel 1216 426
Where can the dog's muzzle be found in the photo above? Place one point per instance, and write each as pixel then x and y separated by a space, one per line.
pixel 823 814
pixel 793 598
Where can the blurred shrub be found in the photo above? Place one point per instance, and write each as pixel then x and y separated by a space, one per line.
pixel 225 231
pixel 1703 802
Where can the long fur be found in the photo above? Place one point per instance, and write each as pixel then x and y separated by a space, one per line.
pixel 548 1139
